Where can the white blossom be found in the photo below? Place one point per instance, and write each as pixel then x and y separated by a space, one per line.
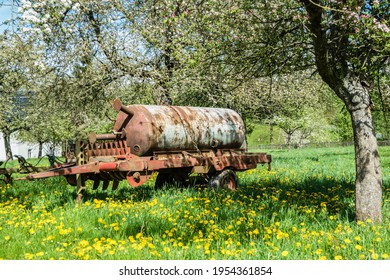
pixel 381 26
pixel 76 7
pixel 31 16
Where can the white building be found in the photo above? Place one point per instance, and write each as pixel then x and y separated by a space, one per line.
pixel 25 150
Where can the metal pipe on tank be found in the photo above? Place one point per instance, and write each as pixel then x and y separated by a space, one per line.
pixel 118 106
pixel 93 137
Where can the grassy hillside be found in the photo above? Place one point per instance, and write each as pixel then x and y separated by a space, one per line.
pixel 302 209
pixel 261 136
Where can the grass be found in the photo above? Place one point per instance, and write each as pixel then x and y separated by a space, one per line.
pixel 302 209
pixel 261 135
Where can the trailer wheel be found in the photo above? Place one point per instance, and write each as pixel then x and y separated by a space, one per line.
pixel 226 179
pixel 71 179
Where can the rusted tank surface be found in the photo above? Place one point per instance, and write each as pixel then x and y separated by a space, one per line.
pixel 149 128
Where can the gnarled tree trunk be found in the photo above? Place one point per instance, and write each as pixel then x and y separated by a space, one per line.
pixel 368 170
pixel 334 66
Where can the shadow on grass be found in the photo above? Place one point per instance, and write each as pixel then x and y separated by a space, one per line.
pixel 124 192
pixel 336 195
pixel 50 193
pixel 56 192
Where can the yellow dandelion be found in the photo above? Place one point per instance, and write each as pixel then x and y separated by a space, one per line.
pixel 50 237
pixel 360 223
pixel 251 252
pixel 338 257
pixel 279 235
pixel 347 241
pixel 294 229
pixel 83 243
pixel 385 256
pixel 39 254
pixel 318 251
pixel 87 203
pixel 29 256
pixel 323 258
pixel 284 253
pixel 374 256
pixel 7 237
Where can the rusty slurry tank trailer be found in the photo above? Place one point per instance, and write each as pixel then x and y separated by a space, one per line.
pixel 175 141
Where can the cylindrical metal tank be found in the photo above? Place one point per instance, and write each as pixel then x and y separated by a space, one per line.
pixel 150 128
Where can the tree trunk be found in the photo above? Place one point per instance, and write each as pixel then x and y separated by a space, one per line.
pixel 40 149
pixel 289 137
pixel 7 144
pixel 337 69
pixel 368 170
pixel 271 134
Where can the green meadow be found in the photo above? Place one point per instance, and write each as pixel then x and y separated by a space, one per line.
pixel 303 209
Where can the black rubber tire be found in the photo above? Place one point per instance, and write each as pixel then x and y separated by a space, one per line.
pixel 71 179
pixel 226 179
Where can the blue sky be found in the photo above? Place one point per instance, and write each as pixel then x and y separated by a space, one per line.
pixel 5 14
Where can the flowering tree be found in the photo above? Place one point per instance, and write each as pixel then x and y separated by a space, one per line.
pixel 350 43
pixel 345 42
pixel 131 43
pixel 14 79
